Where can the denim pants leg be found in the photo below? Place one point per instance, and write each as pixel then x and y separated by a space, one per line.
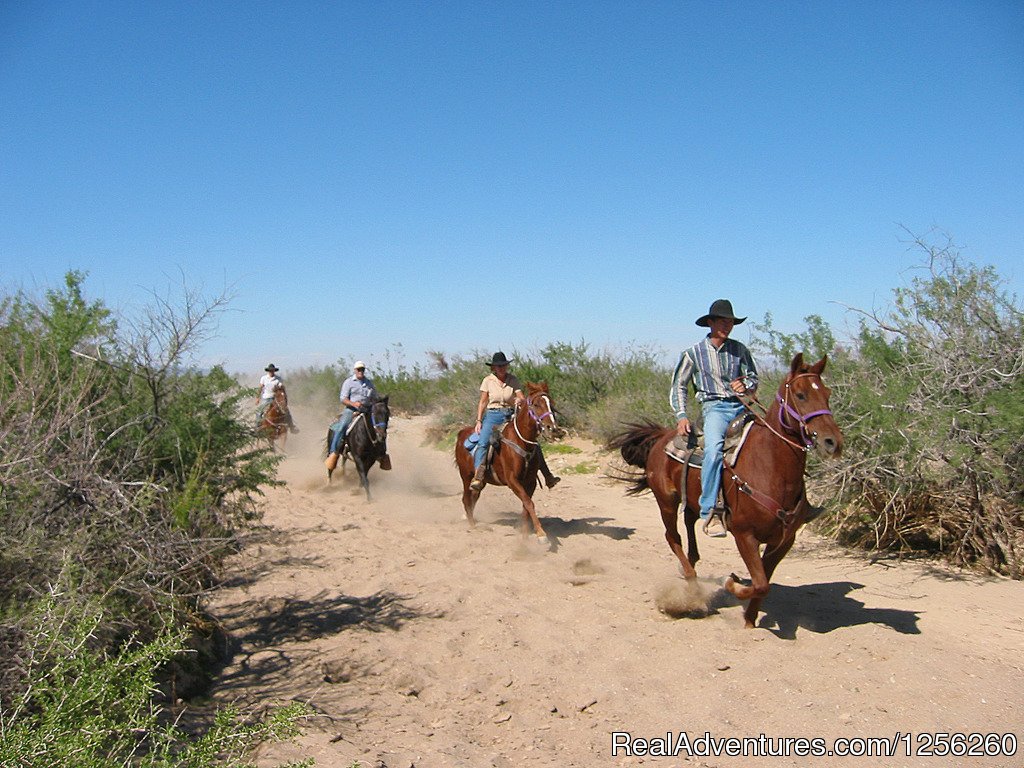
pixel 717 415
pixel 493 417
pixel 339 434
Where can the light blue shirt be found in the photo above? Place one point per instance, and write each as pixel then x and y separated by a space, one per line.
pixel 357 390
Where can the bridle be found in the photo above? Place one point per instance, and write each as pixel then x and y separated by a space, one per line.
pixel 538 419
pixel 787 411
pixel 378 429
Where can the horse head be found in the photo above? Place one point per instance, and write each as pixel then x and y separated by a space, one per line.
pixel 540 409
pixel 379 416
pixel 281 399
pixel 803 401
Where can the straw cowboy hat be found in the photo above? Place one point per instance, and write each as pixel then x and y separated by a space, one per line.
pixel 720 308
pixel 498 358
pixel 272 368
pixel 359 364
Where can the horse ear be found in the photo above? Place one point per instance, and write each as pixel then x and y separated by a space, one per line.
pixel 819 366
pixel 797 364
pixel 385 400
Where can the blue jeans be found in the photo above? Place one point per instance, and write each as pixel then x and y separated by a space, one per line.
pixel 493 417
pixel 339 428
pixel 717 415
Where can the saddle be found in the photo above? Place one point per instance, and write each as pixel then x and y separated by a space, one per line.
pixel 351 425
pixel 494 445
pixel 679 449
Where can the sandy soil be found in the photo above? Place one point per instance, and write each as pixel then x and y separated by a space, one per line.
pixel 420 642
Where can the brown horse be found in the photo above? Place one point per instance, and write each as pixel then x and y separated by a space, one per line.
pixel 764 491
pixel 518 458
pixel 273 427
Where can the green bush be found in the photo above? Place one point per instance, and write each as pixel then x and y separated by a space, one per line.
pixel 87 707
pixel 124 476
pixel 929 396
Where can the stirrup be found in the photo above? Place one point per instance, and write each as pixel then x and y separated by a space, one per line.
pixel 719 529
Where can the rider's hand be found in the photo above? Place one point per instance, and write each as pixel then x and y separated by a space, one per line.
pixel 738 386
pixel 683 427
pixel 477 427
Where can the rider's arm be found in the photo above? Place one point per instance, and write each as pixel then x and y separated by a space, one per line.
pixel 680 381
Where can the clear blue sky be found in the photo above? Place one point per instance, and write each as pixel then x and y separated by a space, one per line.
pixel 474 176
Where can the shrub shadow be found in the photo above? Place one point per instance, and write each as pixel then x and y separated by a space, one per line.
pixel 270 622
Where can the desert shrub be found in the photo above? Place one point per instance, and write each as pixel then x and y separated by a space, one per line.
pixel 86 706
pixel 124 474
pixel 929 395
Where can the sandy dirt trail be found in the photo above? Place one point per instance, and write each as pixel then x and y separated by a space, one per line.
pixel 420 642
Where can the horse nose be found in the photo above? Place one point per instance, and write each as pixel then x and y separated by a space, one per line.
pixel 830 446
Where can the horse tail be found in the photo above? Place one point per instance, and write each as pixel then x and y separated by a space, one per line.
pixel 634 445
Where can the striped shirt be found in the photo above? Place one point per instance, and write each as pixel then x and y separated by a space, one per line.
pixel 710 370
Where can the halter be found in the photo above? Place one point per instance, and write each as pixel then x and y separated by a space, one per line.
pixel 533 415
pixel 378 427
pixel 786 410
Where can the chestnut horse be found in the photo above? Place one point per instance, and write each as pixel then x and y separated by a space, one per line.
pixel 273 427
pixel 763 492
pixel 517 460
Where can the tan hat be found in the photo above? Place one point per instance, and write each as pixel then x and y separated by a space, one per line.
pixel 359 364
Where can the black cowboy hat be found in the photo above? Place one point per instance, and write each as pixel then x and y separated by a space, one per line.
pixel 271 368
pixel 720 308
pixel 498 358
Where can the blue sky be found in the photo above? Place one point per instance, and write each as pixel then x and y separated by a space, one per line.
pixel 473 176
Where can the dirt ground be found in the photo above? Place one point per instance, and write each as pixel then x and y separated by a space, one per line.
pixel 421 642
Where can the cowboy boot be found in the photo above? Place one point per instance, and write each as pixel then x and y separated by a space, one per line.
pixel 331 462
pixel 479 477
pixel 385 462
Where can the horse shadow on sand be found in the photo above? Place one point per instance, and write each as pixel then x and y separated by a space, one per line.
pixel 558 528
pixel 820 608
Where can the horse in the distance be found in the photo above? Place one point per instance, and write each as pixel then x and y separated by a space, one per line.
pixel 516 460
pixel 365 442
pixel 273 427
pixel 763 492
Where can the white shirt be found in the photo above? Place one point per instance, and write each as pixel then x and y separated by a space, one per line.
pixel 268 385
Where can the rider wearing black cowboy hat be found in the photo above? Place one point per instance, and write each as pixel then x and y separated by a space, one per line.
pixel 499 392
pixel 269 384
pixel 720 369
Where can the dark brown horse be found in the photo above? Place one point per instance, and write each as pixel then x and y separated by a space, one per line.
pixel 273 427
pixel 366 440
pixel 517 460
pixel 764 491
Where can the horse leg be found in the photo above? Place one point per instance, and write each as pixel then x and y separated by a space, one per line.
pixel 529 508
pixel 690 515
pixel 362 469
pixel 771 558
pixel 669 508
pixel 749 549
